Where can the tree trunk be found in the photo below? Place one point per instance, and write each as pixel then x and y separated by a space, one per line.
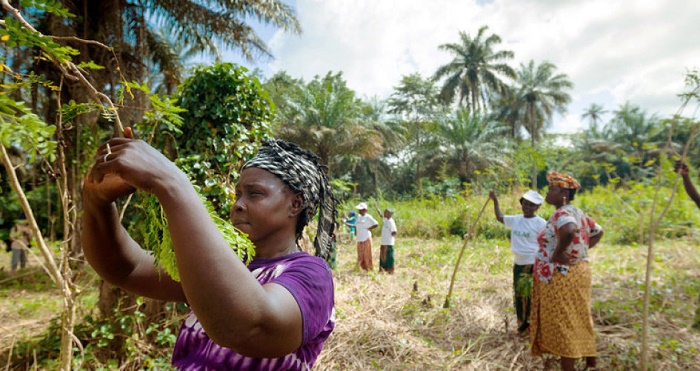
pixel 62 279
pixel 533 183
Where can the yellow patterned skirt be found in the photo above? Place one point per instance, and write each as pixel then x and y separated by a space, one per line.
pixel 560 318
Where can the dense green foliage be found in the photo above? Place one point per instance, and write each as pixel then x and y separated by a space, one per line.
pixel 227 115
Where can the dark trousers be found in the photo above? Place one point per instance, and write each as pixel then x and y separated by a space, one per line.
pixel 521 295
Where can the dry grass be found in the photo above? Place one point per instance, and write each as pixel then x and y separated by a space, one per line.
pixel 397 322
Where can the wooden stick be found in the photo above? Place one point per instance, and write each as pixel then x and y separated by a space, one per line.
pixel 448 299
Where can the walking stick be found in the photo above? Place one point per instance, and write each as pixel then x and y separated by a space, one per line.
pixel 448 299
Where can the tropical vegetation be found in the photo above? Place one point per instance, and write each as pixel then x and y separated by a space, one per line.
pixel 77 72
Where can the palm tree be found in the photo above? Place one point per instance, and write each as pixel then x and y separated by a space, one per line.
pixel 641 136
pixel 541 93
pixel 325 117
pixel 133 31
pixel 476 71
pixel 374 116
pixel 471 141
pixel 594 114
pixel 508 109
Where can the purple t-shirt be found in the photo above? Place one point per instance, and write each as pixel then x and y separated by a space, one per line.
pixel 309 280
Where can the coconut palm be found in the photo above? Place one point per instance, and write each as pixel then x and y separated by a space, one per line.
pixel 594 114
pixel 476 72
pixel 541 92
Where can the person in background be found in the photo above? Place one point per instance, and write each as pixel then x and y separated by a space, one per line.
pixel 350 223
pixel 386 250
pixel 524 228
pixel 682 169
pixel 364 224
pixel 20 241
pixel 561 322
pixel 274 314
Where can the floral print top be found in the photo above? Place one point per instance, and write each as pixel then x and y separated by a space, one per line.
pixel 578 249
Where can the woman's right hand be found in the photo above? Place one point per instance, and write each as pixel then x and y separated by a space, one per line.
pixel 109 187
pixel 124 164
pixel 681 168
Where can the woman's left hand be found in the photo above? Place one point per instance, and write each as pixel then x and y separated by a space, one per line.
pixel 561 258
pixel 565 235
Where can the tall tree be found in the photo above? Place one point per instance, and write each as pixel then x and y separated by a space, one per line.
pixel 594 113
pixel 541 93
pixel 476 72
pixel 325 117
pixel 640 134
pixel 415 102
pixel 471 141
pixel 391 132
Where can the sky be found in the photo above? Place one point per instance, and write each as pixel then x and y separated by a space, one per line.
pixel 614 51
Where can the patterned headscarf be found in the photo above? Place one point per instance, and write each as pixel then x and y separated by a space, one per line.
pixel 302 172
pixel 562 180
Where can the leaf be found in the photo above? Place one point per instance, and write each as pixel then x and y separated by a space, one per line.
pixel 157 238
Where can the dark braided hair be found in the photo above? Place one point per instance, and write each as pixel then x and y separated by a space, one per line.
pixel 302 171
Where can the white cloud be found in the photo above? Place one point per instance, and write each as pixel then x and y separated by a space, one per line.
pixel 616 51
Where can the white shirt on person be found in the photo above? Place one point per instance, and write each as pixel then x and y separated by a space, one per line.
pixel 363 224
pixel 523 236
pixel 388 230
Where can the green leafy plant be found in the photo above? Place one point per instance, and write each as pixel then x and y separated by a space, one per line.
pixel 524 285
pixel 157 238
pixel 226 116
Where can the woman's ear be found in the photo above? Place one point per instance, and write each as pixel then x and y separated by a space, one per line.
pixel 297 205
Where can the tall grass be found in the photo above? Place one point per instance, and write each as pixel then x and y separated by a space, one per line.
pixel 623 212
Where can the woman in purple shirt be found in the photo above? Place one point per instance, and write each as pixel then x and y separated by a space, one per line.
pixel 274 314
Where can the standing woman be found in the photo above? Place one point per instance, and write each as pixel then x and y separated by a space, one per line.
pixel 364 224
pixel 561 322
pixel 386 249
pixel 275 313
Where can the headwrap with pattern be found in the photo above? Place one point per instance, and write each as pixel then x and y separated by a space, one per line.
pixel 302 172
pixel 562 180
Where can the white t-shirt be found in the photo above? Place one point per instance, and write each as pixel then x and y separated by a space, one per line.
pixel 363 224
pixel 387 229
pixel 523 236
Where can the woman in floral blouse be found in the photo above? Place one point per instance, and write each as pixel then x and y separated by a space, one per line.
pixel 561 322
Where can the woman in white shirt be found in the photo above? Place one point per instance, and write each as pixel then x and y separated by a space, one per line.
pixel 364 223
pixel 524 230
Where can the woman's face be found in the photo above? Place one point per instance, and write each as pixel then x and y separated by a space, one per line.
pixel 265 208
pixel 556 195
pixel 529 208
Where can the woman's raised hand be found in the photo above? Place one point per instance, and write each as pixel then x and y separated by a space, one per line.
pixel 123 165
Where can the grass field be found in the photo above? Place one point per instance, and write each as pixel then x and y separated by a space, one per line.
pixel 397 322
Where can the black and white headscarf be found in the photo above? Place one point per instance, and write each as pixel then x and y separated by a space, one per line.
pixel 302 172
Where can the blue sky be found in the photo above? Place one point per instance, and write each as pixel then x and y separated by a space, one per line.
pixel 614 51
